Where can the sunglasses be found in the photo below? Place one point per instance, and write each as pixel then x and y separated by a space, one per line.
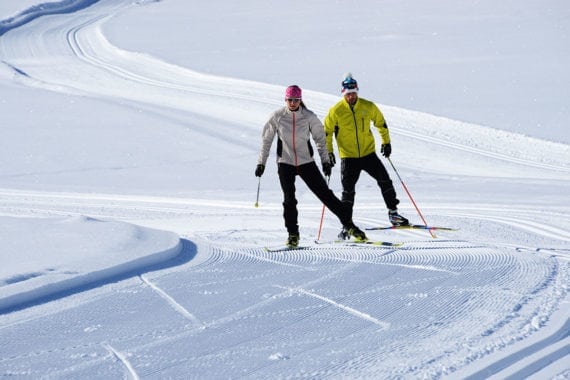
pixel 293 100
pixel 350 84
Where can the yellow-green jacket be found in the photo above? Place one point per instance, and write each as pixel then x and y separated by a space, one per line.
pixel 351 128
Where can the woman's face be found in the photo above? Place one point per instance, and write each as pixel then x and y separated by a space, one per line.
pixel 293 103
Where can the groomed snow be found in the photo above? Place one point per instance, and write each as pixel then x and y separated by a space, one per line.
pixel 131 247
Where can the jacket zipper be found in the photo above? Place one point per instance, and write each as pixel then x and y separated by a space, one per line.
pixel 356 130
pixel 294 144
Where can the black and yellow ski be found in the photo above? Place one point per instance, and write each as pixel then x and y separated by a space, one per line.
pixel 412 227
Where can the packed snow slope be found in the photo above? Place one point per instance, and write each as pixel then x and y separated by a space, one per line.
pixel 499 64
pixel 131 247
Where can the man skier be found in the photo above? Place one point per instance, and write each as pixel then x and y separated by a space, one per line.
pixel 349 122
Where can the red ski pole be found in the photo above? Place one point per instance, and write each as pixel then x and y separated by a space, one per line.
pixel 323 214
pixel 410 196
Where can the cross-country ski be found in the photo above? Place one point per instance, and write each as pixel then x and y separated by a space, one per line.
pixel 376 243
pixel 411 227
pixel 285 248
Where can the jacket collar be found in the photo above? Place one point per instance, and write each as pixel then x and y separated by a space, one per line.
pixel 298 111
pixel 349 106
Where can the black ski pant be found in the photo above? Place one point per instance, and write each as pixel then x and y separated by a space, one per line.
pixel 350 170
pixel 311 175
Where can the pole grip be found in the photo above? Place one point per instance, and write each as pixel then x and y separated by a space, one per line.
pixel 257 198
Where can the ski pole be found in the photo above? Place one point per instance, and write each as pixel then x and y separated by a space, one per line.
pixel 323 213
pixel 258 186
pixel 410 196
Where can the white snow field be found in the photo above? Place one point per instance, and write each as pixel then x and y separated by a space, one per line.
pixel 130 244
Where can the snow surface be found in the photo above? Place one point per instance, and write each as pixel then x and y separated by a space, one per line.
pixel 130 244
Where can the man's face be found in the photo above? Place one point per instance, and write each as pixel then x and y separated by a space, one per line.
pixel 351 98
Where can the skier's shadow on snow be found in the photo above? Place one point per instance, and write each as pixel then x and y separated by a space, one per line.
pixel 188 252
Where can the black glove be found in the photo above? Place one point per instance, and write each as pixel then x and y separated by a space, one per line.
pixel 327 168
pixel 386 150
pixel 259 169
pixel 332 159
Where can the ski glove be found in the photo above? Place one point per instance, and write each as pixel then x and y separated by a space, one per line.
pixel 386 150
pixel 332 159
pixel 259 170
pixel 327 168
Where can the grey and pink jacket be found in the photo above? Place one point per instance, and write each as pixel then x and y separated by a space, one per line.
pixel 294 130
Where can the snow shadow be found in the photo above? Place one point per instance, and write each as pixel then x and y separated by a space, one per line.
pixel 95 280
pixel 43 9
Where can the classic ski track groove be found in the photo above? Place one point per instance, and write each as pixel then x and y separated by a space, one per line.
pixel 350 310
pixel 339 257
pixel 551 348
pixel 65 203
pixel 123 359
pixel 479 259
pixel 530 226
pixel 471 149
pixel 171 301
pixel 89 46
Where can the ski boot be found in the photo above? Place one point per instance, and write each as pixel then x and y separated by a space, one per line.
pixel 343 234
pixel 397 219
pixel 357 233
pixel 292 240
pixel 351 230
